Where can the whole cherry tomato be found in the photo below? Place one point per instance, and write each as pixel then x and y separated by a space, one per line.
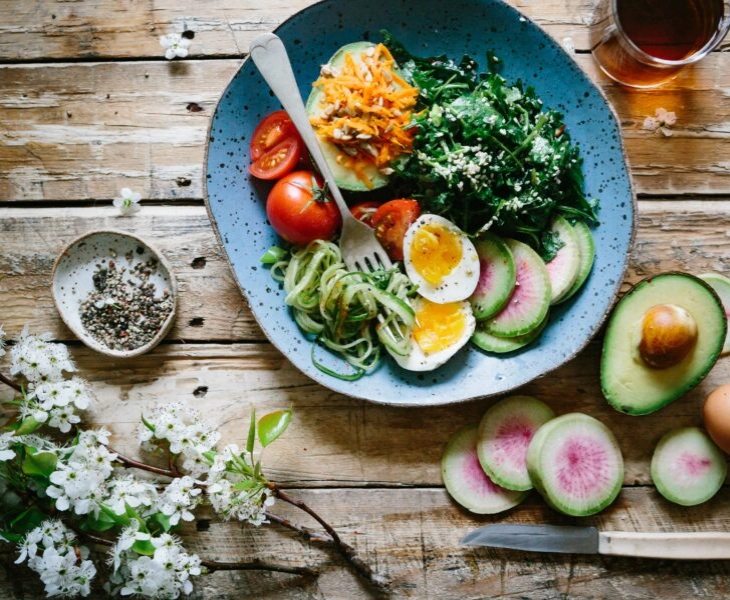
pixel 299 210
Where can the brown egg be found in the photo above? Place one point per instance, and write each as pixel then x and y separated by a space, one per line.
pixel 716 416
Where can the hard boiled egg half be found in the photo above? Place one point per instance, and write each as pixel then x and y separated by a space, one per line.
pixel 440 259
pixel 441 329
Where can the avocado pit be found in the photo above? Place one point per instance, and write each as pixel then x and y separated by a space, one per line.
pixel 668 335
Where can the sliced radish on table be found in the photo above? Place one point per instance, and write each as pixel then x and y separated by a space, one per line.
pixel 576 464
pixel 505 432
pixel 687 467
pixel 466 481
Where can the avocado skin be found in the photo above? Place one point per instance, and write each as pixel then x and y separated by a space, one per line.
pixel 630 385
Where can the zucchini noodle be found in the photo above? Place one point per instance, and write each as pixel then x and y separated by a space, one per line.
pixel 354 314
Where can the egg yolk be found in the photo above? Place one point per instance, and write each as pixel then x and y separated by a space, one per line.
pixel 438 326
pixel 435 252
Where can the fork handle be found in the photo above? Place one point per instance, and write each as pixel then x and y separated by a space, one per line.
pixel 269 55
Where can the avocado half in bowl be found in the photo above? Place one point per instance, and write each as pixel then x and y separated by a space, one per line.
pixel 662 339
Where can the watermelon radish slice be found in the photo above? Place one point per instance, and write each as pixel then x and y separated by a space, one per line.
pixel 505 432
pixel 721 285
pixel 501 345
pixel 530 300
pixel 564 267
pixel 687 467
pixel 587 248
pixel 466 481
pixel 576 464
pixel 497 276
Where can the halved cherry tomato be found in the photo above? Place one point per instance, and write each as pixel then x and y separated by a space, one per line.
pixel 364 211
pixel 272 130
pixel 299 211
pixel 391 222
pixel 279 160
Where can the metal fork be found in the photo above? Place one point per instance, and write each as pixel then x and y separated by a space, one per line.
pixel 360 249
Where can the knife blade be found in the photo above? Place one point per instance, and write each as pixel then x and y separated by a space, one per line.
pixel 589 540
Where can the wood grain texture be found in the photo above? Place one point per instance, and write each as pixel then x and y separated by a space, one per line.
pixel 88 105
pixel 411 536
pixel 118 29
pixel 81 132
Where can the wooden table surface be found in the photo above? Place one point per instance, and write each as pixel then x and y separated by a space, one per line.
pixel 89 105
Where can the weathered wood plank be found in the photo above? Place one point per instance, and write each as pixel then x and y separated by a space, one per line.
pixel 412 538
pixel 336 440
pixel 78 132
pixel 672 234
pixel 110 29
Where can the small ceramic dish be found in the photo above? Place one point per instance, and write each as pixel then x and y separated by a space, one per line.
pixel 115 292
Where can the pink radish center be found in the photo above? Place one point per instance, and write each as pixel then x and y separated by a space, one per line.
pixel 486 269
pixel 583 467
pixel 475 477
pixel 691 465
pixel 513 438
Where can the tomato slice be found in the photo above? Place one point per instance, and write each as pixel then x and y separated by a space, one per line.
pixel 364 211
pixel 391 221
pixel 279 160
pixel 271 131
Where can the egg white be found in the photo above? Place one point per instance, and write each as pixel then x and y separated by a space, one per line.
pixel 418 360
pixel 456 285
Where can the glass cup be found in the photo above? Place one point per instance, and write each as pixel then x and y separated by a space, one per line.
pixel 643 43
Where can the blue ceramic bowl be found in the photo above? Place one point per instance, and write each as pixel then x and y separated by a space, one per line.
pixel 236 201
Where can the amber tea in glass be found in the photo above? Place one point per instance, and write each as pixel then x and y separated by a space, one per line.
pixel 643 43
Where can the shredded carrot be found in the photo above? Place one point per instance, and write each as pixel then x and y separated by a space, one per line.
pixel 366 110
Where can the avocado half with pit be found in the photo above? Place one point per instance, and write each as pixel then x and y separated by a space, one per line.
pixel 345 178
pixel 661 340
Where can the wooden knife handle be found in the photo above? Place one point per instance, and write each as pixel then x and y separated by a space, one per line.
pixel 691 546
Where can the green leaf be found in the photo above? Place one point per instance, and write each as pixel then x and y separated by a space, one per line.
pixel 271 426
pixel 12 538
pixel 27 425
pixel 143 547
pixel 103 522
pixel 251 432
pixel 147 424
pixel 163 521
pixel 41 464
pixel 122 520
pixel 29 519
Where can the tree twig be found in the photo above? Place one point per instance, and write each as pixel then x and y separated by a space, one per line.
pixel 349 553
pixel 258 565
pixel 10 382
pixel 128 462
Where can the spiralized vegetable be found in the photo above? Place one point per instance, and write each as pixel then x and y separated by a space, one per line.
pixel 352 313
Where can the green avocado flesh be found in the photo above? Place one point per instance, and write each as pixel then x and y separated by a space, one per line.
pixel 344 178
pixel 628 383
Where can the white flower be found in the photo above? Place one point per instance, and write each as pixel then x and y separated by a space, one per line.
pixel 38 359
pixel 165 574
pixel 128 202
pixel 2 341
pixel 62 564
pixel 179 499
pixel 174 45
pixel 6 453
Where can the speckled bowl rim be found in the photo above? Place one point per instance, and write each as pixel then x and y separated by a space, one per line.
pixel 82 335
pixel 406 402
